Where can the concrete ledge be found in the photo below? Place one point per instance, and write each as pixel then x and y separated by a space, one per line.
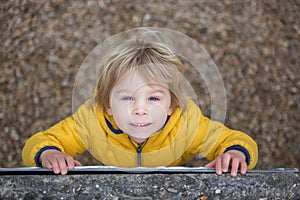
pixel 151 186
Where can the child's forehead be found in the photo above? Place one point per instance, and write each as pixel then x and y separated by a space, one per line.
pixel 137 76
pixel 134 80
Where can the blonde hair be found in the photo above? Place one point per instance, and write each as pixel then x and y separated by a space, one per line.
pixel 154 62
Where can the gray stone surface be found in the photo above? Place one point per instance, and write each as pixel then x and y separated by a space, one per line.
pixel 151 186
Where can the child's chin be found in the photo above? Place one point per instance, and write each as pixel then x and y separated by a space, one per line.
pixel 142 133
pixel 140 138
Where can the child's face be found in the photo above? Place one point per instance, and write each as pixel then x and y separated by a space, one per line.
pixel 139 108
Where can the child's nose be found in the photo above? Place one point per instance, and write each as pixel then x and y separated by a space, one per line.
pixel 140 108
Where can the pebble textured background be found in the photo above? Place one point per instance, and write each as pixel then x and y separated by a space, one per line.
pixel 255 44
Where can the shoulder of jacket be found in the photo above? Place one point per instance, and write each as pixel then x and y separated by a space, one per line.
pixel 192 109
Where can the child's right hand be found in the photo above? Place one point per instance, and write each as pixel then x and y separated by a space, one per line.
pixel 57 161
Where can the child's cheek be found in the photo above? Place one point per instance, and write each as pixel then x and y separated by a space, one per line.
pixel 158 113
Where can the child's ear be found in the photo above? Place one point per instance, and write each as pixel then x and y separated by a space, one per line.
pixel 170 110
pixel 109 111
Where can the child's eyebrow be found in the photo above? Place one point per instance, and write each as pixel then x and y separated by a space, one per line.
pixel 122 91
pixel 159 91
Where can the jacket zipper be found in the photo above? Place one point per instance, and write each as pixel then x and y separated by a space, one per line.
pixel 139 150
pixel 139 156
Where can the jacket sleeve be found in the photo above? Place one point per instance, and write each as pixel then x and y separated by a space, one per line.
pixel 63 136
pixel 219 138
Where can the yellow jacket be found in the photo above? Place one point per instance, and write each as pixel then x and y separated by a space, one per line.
pixel 184 135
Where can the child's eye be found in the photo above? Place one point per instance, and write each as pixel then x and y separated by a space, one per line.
pixel 127 98
pixel 154 98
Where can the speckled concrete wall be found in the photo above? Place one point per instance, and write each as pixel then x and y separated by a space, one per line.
pixel 152 186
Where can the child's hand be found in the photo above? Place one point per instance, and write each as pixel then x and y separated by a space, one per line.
pixel 57 161
pixel 234 158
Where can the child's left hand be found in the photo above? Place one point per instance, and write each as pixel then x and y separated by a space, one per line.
pixel 234 158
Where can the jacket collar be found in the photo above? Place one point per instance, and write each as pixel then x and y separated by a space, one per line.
pixel 155 141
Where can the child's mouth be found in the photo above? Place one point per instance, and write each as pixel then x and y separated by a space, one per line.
pixel 140 124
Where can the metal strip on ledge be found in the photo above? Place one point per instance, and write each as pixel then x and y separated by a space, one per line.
pixel 136 170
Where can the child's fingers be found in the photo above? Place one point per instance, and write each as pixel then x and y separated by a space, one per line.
pixel 70 162
pixel 47 164
pixel 51 164
pixel 211 164
pixel 65 163
pixel 235 163
pixel 55 165
pixel 225 162
pixel 58 164
pixel 244 167
pixel 77 163
pixel 219 165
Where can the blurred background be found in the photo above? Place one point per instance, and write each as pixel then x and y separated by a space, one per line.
pixel 255 45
